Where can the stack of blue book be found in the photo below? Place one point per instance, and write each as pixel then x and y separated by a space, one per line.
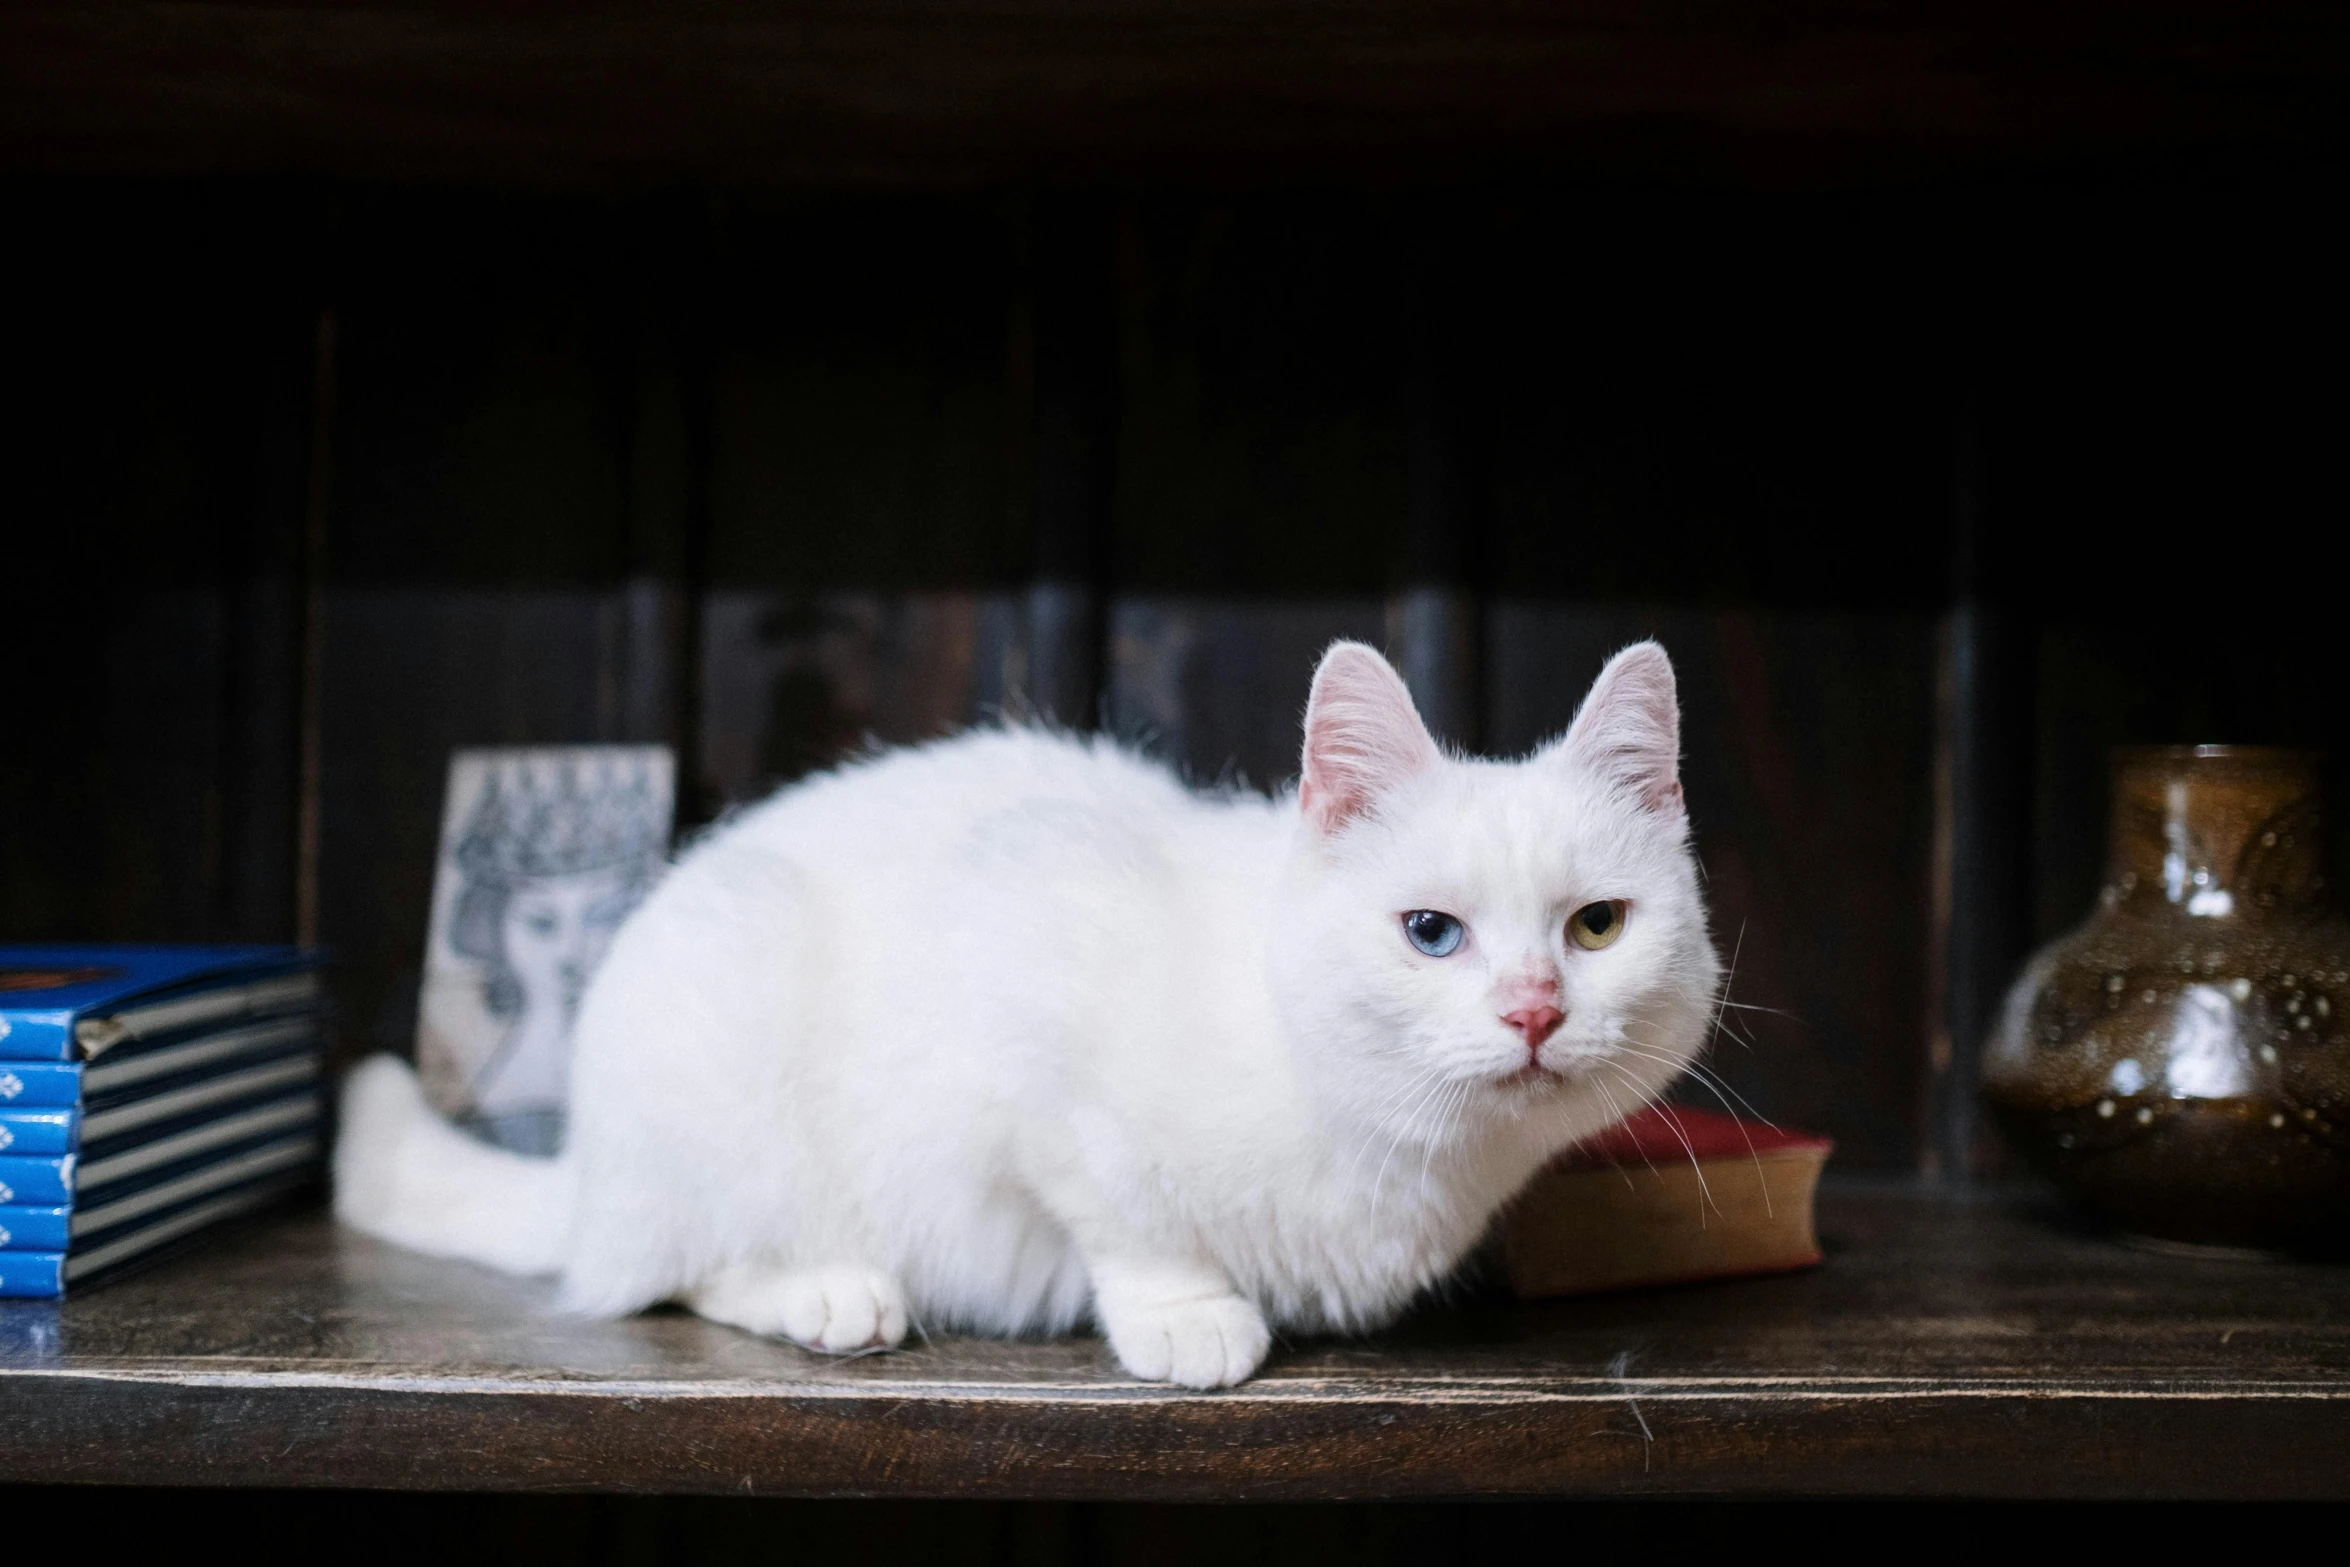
pixel 147 1093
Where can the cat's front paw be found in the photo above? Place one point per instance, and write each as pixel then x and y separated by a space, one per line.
pixel 835 1311
pixel 1212 1342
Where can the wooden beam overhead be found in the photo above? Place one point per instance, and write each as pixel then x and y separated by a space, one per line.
pixel 955 92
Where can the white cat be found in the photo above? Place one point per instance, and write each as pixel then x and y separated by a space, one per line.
pixel 1012 1030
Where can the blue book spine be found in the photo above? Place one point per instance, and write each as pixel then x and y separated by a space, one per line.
pixel 47 993
pixel 37 1183
pixel 26 1086
pixel 32 1275
pixel 43 1035
pixel 40 1131
pixel 36 1229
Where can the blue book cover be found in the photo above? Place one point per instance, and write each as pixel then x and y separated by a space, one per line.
pixel 41 1275
pixel 36 1229
pixel 58 1085
pixel 273 1141
pixel 28 1085
pixel 86 1224
pixel 31 1275
pixel 36 1183
pixel 211 1127
pixel 180 1097
pixel 100 1180
pixel 40 1131
pixel 123 1077
pixel 60 1003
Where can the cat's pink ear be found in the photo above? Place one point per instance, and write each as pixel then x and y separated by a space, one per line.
pixel 1363 736
pixel 1629 728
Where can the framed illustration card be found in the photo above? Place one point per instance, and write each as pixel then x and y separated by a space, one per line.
pixel 543 852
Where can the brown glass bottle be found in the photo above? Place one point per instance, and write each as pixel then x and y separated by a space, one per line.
pixel 2181 1062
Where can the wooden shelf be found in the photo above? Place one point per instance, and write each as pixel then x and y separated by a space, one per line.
pixel 1952 1345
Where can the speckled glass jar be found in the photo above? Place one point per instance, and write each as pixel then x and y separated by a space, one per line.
pixel 2180 1063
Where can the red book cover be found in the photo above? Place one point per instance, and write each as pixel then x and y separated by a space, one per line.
pixel 1670 1196
pixel 1662 1133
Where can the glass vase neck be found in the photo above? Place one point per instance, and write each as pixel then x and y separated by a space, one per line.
pixel 2215 832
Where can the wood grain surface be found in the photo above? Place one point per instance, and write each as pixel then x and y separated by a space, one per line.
pixel 1950 1346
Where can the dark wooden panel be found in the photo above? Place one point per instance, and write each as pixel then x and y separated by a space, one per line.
pixel 1724 400
pixel 2161 472
pixel 795 682
pixel 1982 882
pixel 1218 687
pixel 514 479
pixel 1240 90
pixel 259 763
pixel 147 793
pixel 1436 638
pixel 1951 1346
pixel 150 429
pixel 487 406
pixel 115 790
pixel 1808 746
pixel 164 750
pixel 413 673
pixel 1262 370
pixel 1065 366
pixel 862 434
pixel 1435 624
pixel 792 683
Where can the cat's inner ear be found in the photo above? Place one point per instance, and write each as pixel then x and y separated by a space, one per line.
pixel 1363 736
pixel 1629 727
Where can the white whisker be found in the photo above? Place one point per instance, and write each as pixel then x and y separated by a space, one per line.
pixel 1641 1102
pixel 1717 1087
pixel 1395 1099
pixel 1419 1080
pixel 1729 978
pixel 1718 1084
pixel 1379 1181
pixel 1444 1117
pixel 1618 1111
pixel 1748 1006
pixel 1705 1193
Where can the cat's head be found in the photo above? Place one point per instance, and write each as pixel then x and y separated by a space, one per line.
pixel 1461 939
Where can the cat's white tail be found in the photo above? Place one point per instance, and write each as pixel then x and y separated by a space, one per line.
pixel 405 1174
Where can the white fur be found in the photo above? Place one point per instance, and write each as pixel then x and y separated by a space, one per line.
pixel 1011 1030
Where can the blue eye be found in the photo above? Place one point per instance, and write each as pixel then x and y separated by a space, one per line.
pixel 1438 935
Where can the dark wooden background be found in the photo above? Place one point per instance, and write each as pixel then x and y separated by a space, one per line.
pixel 377 382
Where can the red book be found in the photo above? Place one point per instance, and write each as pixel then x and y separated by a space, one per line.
pixel 1669 1196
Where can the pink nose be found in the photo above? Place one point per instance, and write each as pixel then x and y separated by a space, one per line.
pixel 1535 1024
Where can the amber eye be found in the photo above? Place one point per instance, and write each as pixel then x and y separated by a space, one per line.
pixel 1596 925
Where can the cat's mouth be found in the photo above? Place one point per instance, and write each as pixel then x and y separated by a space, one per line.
pixel 1555 1070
